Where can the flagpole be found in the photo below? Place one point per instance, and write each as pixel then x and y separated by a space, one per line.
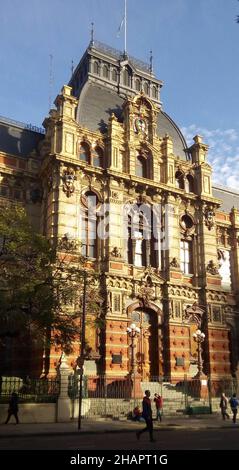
pixel 125 27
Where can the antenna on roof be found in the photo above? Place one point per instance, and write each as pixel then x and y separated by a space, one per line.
pixel 151 62
pixel 92 34
pixel 50 80
pixel 124 22
pixel 125 27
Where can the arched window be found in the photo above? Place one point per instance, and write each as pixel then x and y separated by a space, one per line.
pixel 137 84
pixel 225 267
pixel 186 256
pixel 141 242
pixel 146 88
pixel 141 166
pixel 189 184
pixel 97 157
pixel 179 180
pixel 89 225
pixel 84 152
pixel 114 75
pixel 155 92
pixel 105 71
pixel 96 68
pixel 136 240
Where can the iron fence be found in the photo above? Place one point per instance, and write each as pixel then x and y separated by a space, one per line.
pixel 116 397
pixel 31 390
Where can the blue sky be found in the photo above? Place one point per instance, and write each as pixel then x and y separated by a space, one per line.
pixel 195 47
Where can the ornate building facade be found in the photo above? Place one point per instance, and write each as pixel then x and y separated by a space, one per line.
pixel 113 171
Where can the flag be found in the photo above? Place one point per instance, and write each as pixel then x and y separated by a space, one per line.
pixel 120 27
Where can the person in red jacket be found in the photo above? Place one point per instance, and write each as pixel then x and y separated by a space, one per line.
pixel 159 406
pixel 147 415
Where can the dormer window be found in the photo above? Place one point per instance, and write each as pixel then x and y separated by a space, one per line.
pixel 146 88
pixel 127 77
pixel 96 68
pixel 137 84
pixel 114 75
pixel 155 92
pixel 106 71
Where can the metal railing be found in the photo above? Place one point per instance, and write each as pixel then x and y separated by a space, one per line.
pixel 116 397
pixel 31 390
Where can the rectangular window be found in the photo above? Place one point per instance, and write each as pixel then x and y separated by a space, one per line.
pixel 186 256
pixel 88 238
pixel 138 259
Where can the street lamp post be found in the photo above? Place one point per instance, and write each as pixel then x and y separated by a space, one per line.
pixel 81 358
pixel 199 337
pixel 133 331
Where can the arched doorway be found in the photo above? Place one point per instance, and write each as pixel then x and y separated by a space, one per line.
pixel 148 346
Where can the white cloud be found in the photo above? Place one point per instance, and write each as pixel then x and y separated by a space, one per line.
pixel 223 154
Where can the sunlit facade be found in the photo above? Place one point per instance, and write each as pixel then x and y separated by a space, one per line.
pixel 114 172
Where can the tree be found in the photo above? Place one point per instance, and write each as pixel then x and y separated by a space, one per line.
pixel 41 284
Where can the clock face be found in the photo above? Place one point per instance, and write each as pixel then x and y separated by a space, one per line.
pixel 139 125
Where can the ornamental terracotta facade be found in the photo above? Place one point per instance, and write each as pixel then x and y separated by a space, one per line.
pixel 183 277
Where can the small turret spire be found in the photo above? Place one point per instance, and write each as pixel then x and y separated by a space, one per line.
pixel 92 34
pixel 151 62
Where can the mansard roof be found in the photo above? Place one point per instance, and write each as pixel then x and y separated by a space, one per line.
pixel 229 197
pixel 17 138
pixel 96 104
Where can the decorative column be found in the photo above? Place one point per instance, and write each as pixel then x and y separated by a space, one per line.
pixel 64 402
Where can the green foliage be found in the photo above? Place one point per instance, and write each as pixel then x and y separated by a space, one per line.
pixel 40 288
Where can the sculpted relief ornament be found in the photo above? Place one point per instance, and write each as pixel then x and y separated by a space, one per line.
pixel 212 268
pixel 145 294
pixel 116 252
pixel 174 263
pixel 68 179
pixel 140 125
pixel 209 217
pixel 193 314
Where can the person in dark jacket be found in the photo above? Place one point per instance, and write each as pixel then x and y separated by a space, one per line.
pixel 147 415
pixel 13 408
pixel 234 405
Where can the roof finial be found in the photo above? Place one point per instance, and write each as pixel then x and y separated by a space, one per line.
pixel 72 67
pixel 92 34
pixel 151 62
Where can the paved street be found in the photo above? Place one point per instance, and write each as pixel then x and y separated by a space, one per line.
pixel 166 439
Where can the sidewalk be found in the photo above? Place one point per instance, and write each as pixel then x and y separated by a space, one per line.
pixel 113 426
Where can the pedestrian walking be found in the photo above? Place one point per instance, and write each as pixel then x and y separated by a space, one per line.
pixel 223 405
pixel 147 415
pixel 13 408
pixel 234 405
pixel 159 406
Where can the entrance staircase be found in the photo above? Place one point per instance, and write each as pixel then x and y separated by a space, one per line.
pixel 175 402
pixel 173 397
